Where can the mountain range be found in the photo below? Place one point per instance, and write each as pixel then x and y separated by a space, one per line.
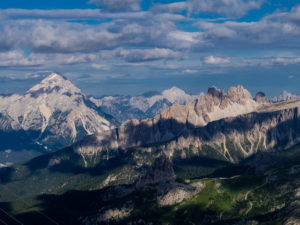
pixel 212 161
pixel 285 96
pixel 55 113
pixel 216 158
pixel 144 106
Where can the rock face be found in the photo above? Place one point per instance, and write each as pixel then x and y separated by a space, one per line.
pixel 50 115
pixel 237 138
pixel 161 171
pixel 144 106
pixel 177 193
pixel 261 98
pixel 172 122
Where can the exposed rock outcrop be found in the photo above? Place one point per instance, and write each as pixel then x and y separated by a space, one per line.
pixel 261 98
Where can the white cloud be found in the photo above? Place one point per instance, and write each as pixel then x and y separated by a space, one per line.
pixel 214 60
pixel 115 5
pixel 171 7
pixel 275 31
pixel 142 55
pixel 17 58
pixel 49 36
pixel 132 31
pixel 100 66
pixel 231 8
pixel 189 71
pixel 69 14
pixel 284 61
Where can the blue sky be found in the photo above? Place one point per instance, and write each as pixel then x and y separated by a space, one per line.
pixel 132 46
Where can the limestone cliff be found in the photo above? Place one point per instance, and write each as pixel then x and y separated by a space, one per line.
pixel 228 126
pixel 173 121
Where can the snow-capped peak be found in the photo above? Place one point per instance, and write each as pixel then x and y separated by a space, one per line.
pixel 54 77
pixel 55 109
pixel 54 83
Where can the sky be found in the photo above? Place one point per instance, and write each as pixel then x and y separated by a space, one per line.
pixel 128 47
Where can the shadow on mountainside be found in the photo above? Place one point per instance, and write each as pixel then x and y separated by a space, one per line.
pixel 72 206
pixel 19 140
pixel 66 161
pixel 150 134
pixel 6 174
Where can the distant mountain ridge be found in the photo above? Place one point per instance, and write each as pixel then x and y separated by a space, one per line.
pixel 143 106
pixel 50 115
pixel 285 96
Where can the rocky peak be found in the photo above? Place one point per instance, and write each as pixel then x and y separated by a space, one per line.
pixel 236 94
pixel 261 98
pixel 214 92
pixel 175 94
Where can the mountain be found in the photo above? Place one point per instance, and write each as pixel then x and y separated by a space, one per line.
pixel 285 96
pixel 225 159
pixel 51 115
pixel 173 121
pixel 144 106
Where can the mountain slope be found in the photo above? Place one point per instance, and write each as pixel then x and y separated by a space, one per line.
pixel 238 194
pixel 52 114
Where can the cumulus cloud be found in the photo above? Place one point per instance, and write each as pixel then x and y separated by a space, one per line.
pixel 116 5
pixel 141 36
pixel 230 8
pixel 100 66
pixel 284 61
pixel 52 14
pixel 277 30
pixel 48 36
pixel 171 7
pixel 143 55
pixel 17 58
pixel 214 60
pixel 69 14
